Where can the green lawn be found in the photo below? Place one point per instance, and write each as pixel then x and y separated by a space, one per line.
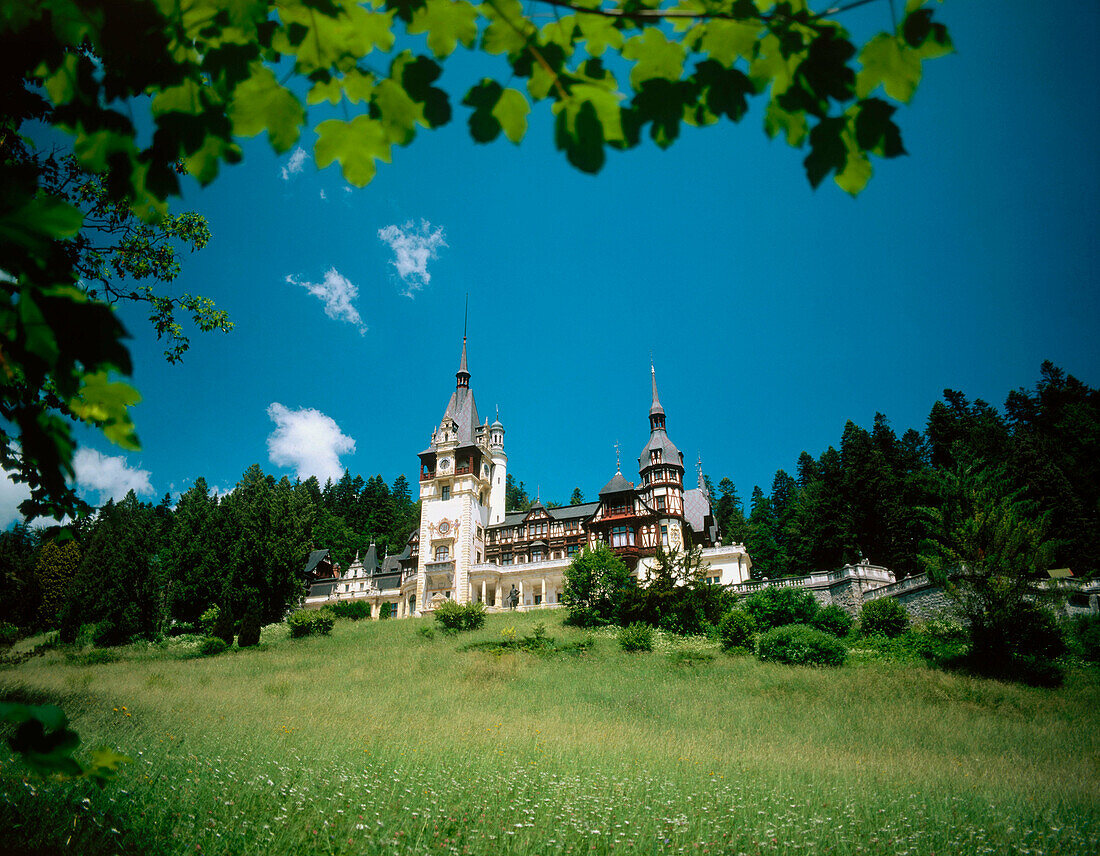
pixel 376 739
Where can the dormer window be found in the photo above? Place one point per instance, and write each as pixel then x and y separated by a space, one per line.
pixel 655 456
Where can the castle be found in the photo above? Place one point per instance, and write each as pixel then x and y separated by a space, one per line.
pixel 469 547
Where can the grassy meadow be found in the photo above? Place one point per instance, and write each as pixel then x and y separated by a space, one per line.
pixel 379 740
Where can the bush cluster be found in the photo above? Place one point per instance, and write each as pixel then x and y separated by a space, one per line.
pixel 223 627
pixel 9 633
pixel 885 616
pixel 454 617
pixel 212 645
pixel 1085 635
pixel 832 619
pixel 799 644
pixel 208 619
pixel 310 622
pixel 774 606
pixel 354 610
pixel 636 637
pixel 736 630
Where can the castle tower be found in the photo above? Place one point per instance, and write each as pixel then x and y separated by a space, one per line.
pixel 455 473
pixel 499 471
pixel 661 469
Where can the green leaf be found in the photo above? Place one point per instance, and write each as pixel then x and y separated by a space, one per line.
pixel 484 126
pixel 888 62
pixel 105 762
pixel 875 131
pixel 260 103
pixel 52 217
pixel 828 151
pixel 39 336
pixel 417 75
pixel 725 91
pixel 727 41
pixel 857 169
pixel 447 22
pixel 105 403
pixel 356 145
pixel 397 112
pixel 656 57
pixel 504 35
pixel 590 117
pixel 793 125
pixel 599 33
pixel 511 111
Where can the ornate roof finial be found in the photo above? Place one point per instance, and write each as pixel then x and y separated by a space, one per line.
pixel 618 458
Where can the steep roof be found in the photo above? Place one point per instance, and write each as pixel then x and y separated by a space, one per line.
pixel 618 484
pixel 658 439
pixel 314 559
pixel 370 563
pixel 561 512
pixel 696 510
pixel 462 409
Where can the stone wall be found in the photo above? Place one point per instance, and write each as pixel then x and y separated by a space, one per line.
pixel 922 599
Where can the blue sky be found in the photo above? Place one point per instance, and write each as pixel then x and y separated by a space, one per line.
pixel 773 313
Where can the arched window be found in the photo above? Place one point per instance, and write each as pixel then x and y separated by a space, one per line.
pixel 442 553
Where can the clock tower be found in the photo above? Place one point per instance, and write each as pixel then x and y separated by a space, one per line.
pixel 456 472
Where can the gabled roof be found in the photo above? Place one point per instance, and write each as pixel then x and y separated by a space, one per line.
pixel 314 559
pixel 560 513
pixel 618 484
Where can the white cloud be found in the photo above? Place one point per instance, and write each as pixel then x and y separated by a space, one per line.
pixel 308 441
pixel 110 476
pixel 11 494
pixel 413 246
pixel 296 164
pixel 338 293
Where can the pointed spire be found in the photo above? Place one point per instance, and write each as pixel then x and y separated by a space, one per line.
pixel 656 412
pixel 618 458
pixel 462 375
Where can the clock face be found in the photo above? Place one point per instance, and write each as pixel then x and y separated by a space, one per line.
pixel 444 528
pixel 445 464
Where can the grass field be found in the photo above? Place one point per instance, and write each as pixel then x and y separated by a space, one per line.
pixel 379 740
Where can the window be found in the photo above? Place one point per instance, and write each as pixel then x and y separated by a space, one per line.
pixel 655 456
pixel 442 553
pixel 537 555
pixel 479 557
pixel 660 503
pixel 446 492
pixel 664 535
pixel 506 559
pixel 538 599
pixel 622 536
pixel 571 550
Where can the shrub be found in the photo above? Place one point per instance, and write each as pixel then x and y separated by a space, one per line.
pixel 106 634
pixel 799 644
pixel 1086 637
pixel 223 627
pixel 773 607
pixel 832 619
pixel 454 617
pixel 309 622
pixel 1019 643
pixel 250 627
pixel 97 656
pixel 8 633
pixel 387 610
pixel 354 610
pixel 735 630
pixel 208 619
pixel 636 637
pixel 183 628
pixel 427 631
pixel 212 645
pixel 884 615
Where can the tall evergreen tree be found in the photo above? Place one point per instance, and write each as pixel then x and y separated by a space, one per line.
pixel 195 557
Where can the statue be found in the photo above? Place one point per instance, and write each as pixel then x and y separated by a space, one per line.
pixel 513 598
